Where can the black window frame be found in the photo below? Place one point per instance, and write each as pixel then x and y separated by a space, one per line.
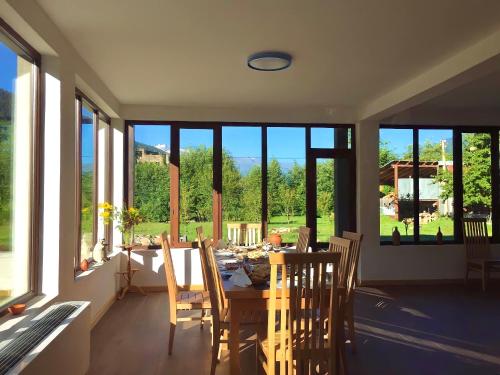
pixel 457 130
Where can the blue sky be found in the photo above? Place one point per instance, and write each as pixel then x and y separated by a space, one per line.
pixel 399 139
pixel 8 62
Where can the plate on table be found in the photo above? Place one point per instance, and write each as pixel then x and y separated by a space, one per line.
pixel 225 253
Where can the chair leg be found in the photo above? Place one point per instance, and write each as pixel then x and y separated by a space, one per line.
pixel 173 323
pixel 215 351
pixel 202 316
pixel 171 338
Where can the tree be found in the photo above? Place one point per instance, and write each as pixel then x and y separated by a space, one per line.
pixel 295 180
pixel 151 191
pixel 251 197
pixel 476 162
pixel 386 154
pixel 231 188
pixel 325 191
pixel 275 180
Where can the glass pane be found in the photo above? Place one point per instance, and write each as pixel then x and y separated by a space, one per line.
pixel 330 137
pixel 436 184
pixel 87 183
pixel 325 200
pixel 476 180
pixel 196 165
pixel 241 176
pixel 152 180
pixel 286 181
pixel 16 98
pixel 396 183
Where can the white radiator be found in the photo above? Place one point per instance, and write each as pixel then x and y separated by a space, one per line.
pixel 57 342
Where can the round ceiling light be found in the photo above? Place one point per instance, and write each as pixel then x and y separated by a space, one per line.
pixel 269 61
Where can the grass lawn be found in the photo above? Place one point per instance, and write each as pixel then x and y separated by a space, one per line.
pixel 325 228
pixel 5 237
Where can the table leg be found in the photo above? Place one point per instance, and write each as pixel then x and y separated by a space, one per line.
pixel 234 338
pixel 123 292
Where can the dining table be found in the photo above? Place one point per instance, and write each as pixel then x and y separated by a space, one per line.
pixel 242 302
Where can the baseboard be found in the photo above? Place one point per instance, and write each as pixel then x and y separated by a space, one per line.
pixel 161 288
pixel 411 282
pixel 103 311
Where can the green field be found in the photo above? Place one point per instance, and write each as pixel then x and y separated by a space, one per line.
pixel 324 228
pixel 427 231
pixel 5 237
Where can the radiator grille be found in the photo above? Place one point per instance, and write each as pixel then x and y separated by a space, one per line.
pixel 26 341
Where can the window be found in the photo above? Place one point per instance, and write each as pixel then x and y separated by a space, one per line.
pixel 92 125
pixel 19 69
pixel 241 176
pixel 286 181
pixel 152 180
pixel 396 183
pixel 196 179
pixel 228 173
pixel 453 176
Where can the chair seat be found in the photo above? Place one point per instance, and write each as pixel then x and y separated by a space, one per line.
pixel 192 300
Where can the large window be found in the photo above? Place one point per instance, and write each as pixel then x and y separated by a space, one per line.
pixel 241 176
pixel 286 181
pixel 224 175
pixel 18 167
pixel 152 180
pixel 91 125
pixel 448 169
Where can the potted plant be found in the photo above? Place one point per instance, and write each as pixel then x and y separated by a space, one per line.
pixel 126 219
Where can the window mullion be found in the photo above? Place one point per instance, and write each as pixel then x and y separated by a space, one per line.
pixel 416 187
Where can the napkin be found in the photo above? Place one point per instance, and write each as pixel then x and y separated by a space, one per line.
pixel 240 278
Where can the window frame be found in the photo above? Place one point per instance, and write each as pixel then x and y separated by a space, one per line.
pixel 98 114
pixel 457 131
pixel 217 126
pixel 20 46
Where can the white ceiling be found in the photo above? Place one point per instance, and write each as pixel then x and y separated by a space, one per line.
pixel 193 53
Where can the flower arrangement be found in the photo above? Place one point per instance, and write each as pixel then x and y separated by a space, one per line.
pixel 125 217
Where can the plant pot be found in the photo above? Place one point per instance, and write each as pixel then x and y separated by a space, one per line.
pixel 275 239
pixel 17 308
pixel 84 265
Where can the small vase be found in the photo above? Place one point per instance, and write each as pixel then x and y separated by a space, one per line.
pixel 396 237
pixel 275 239
pixel 128 237
pixel 439 236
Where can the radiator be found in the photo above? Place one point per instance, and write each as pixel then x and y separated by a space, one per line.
pixel 56 342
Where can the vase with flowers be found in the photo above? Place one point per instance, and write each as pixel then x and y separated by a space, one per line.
pixel 126 218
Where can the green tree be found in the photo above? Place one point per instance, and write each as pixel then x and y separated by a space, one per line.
pixel 151 191
pixel 385 154
pixel 275 180
pixel 325 192
pixel 251 197
pixel 476 157
pixel 295 180
pixel 232 186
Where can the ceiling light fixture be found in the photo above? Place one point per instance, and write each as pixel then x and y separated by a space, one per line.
pixel 269 61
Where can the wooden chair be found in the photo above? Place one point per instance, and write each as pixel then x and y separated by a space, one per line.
pixel 235 232
pixel 342 246
pixel 352 282
pixel 302 329
pixel 303 241
pixel 201 237
pixel 253 234
pixel 477 250
pixel 221 321
pixel 180 300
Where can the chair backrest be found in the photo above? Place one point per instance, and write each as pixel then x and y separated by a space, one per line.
pixel 169 267
pixel 355 238
pixel 309 315
pixel 253 234
pixel 342 246
pixel 201 237
pixel 303 241
pixel 477 244
pixel 235 232
pixel 213 281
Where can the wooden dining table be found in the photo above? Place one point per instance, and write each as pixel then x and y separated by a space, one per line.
pixel 243 301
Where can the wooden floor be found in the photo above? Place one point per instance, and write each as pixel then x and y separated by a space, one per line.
pixel 400 330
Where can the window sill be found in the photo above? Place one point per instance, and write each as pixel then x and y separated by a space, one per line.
pixel 81 275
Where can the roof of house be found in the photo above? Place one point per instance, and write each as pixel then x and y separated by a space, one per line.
pixel 149 148
pixel 405 170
